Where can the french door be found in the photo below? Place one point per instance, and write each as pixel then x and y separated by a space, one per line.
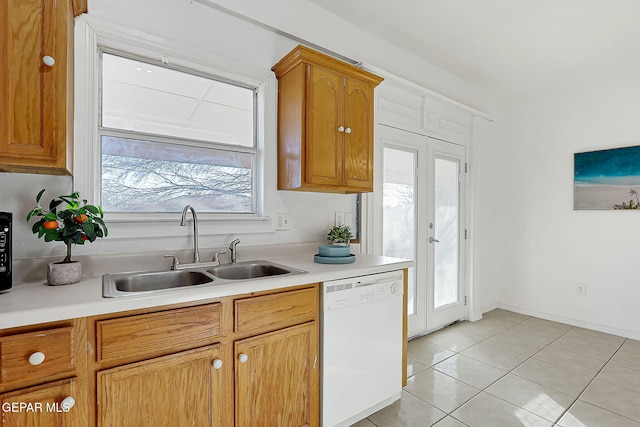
pixel 422 213
pixel 446 242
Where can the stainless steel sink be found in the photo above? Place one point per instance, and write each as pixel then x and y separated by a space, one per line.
pixel 154 280
pixel 145 282
pixel 248 270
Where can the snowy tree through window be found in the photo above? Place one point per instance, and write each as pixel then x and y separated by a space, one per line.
pixel 171 138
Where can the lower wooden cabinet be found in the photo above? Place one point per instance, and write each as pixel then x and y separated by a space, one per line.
pixel 182 389
pixel 48 405
pixel 243 360
pixel 43 375
pixel 277 378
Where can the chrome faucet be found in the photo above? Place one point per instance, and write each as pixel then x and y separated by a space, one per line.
pixel 196 256
pixel 232 251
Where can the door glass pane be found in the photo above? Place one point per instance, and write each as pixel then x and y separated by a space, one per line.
pixel 398 215
pixel 447 219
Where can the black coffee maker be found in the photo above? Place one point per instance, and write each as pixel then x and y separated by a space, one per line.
pixel 5 250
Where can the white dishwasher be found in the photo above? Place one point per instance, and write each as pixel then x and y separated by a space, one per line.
pixel 361 346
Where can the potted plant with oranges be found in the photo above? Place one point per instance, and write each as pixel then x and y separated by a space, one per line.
pixel 76 224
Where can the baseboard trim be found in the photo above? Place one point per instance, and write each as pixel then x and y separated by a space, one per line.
pixel 627 333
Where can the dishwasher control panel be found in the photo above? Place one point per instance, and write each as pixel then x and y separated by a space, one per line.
pixel 360 290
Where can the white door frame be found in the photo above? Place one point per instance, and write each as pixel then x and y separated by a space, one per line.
pixel 411 142
pixel 371 223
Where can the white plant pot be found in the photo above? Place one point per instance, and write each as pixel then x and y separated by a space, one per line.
pixel 63 273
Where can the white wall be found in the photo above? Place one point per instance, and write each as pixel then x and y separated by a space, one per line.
pixel 208 29
pixel 310 22
pixel 535 248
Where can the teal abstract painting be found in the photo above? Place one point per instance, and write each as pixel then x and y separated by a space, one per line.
pixel 607 179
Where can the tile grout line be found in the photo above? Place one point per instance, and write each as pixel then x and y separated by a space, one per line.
pixel 593 379
pixel 460 353
pixel 511 371
pixel 484 389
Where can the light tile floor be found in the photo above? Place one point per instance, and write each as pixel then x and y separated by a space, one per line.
pixel 509 369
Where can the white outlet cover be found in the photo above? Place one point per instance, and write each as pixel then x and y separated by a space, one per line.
pixel 282 222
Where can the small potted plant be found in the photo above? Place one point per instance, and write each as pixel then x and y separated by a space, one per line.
pixel 339 249
pixel 76 224
pixel 340 235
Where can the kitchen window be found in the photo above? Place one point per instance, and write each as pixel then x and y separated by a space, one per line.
pixel 159 124
pixel 169 137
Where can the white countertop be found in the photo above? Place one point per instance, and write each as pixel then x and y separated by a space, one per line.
pixel 34 302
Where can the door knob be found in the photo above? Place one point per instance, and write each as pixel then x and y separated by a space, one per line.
pixel 341 129
pixel 432 240
pixel 217 364
pixel 347 130
pixel 243 358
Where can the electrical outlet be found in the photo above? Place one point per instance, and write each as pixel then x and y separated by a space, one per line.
pixel 339 219
pixel 282 222
pixel 581 289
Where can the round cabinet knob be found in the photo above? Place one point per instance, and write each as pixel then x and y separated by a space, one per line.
pixel 341 129
pixel 347 130
pixel 394 288
pixel 217 363
pixel 36 358
pixel 48 60
pixel 243 358
pixel 67 403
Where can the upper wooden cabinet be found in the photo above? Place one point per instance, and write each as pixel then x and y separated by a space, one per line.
pixel 35 98
pixel 325 124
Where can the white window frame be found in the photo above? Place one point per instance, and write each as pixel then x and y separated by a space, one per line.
pixel 93 35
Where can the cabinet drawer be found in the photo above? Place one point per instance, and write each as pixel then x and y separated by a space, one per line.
pixel 56 345
pixel 275 311
pixel 48 406
pixel 153 334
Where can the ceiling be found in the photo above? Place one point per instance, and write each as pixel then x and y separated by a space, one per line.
pixel 506 45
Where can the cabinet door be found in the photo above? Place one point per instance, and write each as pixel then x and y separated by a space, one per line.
pixel 277 384
pixel 323 148
pixel 33 96
pixel 358 137
pixel 43 406
pixel 182 389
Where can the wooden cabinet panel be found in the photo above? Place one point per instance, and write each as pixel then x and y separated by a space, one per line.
pixel 175 390
pixel 56 345
pixel 275 311
pixel 324 142
pixel 358 146
pixel 153 334
pixel 45 407
pixel 277 384
pixel 34 97
pixel 291 113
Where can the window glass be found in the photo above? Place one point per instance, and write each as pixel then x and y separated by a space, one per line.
pixel 147 176
pixel 171 138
